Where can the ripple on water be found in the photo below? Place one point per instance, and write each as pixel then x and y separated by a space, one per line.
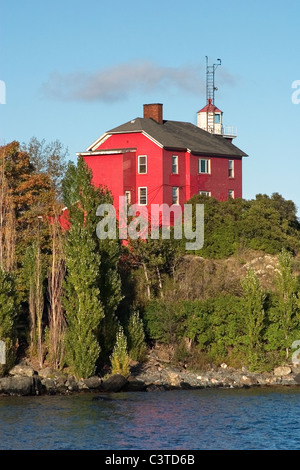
pixel 182 420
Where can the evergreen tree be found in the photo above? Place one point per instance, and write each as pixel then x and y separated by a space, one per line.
pixel 110 294
pixel 9 308
pixel 254 316
pixel 82 301
pixel 136 337
pixel 120 358
pixel 287 306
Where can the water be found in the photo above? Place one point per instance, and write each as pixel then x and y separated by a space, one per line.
pixel 178 420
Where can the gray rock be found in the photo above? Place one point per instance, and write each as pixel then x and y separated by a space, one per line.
pixel 297 378
pixel 71 384
pixel 134 385
pixel 115 383
pixel 47 372
pixel 49 385
pixel 17 385
pixel 22 369
pixel 93 382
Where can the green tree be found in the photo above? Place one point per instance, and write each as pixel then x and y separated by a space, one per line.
pixel 110 287
pixel 254 316
pixel 82 301
pixel 120 358
pixel 287 305
pixel 9 309
pixel 136 337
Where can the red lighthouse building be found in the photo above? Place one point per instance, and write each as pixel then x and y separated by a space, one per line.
pixel 154 161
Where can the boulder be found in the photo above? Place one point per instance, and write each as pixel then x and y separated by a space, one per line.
pixel 47 372
pixel 174 379
pixel 49 385
pixel 282 370
pixel 134 385
pixel 22 369
pixel 17 385
pixel 92 382
pixel 297 378
pixel 248 380
pixel 72 384
pixel 115 383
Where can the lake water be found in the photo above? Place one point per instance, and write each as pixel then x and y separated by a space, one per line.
pixel 176 420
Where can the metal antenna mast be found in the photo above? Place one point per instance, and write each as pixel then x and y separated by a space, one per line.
pixel 210 80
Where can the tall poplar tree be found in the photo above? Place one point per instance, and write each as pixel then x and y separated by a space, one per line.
pixel 82 302
pixel 287 303
pixel 254 316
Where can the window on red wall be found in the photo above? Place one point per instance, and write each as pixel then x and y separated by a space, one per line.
pixel 142 196
pixel 203 165
pixel 205 193
pixel 142 164
pixel 230 168
pixel 175 164
pixel 175 195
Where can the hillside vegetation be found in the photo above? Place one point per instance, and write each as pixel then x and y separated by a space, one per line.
pixel 77 303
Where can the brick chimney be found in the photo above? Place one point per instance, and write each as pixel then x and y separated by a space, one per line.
pixel 154 111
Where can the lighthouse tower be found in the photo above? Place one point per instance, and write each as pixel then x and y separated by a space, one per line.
pixel 210 118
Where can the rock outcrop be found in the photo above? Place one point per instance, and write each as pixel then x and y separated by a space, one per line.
pixel 153 375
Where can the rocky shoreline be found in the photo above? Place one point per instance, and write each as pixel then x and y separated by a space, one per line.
pixel 153 375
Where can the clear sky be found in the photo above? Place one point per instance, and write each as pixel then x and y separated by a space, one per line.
pixel 74 69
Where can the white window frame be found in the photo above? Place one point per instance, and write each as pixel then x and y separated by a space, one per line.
pixel 231 193
pixel 176 196
pixel 142 164
pixel 139 195
pixel 230 168
pixel 205 193
pixel 175 164
pixel 207 166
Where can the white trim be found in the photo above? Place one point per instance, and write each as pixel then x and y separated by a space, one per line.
pixel 106 152
pixel 97 142
pixel 232 193
pixel 106 135
pixel 152 139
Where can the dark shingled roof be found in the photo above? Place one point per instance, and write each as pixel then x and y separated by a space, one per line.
pixel 181 136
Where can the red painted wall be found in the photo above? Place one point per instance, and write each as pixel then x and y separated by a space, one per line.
pixel 152 179
pixel 217 182
pixel 107 171
pixel 119 172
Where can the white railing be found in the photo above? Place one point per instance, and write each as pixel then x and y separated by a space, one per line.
pixel 229 130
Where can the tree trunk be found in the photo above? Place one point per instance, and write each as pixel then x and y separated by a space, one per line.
pixel 147 280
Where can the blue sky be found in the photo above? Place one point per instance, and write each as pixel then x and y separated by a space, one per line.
pixel 74 69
